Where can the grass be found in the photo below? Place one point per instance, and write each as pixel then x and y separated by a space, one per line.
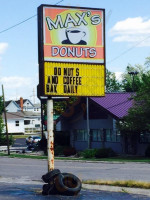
pixel 114 159
pixel 13 155
pixel 19 136
pixel 127 183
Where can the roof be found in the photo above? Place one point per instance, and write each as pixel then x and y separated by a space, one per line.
pixel 14 115
pixel 24 100
pixel 8 102
pixel 31 114
pixel 116 104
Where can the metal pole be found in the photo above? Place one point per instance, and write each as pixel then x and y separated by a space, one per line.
pixel 50 135
pixel 6 121
pixel 88 126
pixel 42 119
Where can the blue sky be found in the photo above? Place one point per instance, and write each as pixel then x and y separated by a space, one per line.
pixel 127 25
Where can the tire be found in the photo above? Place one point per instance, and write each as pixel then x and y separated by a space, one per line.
pixel 68 184
pixel 49 189
pixel 48 177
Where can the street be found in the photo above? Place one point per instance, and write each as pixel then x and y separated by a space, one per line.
pixel 19 142
pixel 21 178
pixel 33 168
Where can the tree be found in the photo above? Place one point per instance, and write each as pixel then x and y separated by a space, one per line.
pixel 112 85
pixel 138 118
pixel 132 78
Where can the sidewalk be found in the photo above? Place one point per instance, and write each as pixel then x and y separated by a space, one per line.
pixel 26 181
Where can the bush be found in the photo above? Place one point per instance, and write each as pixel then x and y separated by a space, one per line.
pixel 3 140
pixel 104 153
pixel 59 150
pixel 69 151
pixel 147 151
pixel 89 153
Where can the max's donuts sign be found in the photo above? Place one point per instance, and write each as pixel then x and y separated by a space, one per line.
pixel 72 35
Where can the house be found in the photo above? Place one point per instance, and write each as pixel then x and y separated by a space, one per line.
pixel 15 122
pixel 104 112
pixel 12 106
pixel 23 116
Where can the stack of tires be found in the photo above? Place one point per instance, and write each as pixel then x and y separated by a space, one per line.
pixel 61 183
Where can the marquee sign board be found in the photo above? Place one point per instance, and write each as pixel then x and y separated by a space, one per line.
pixel 71 51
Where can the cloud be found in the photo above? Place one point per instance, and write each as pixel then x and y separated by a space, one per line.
pixel 133 30
pixel 15 82
pixel 3 47
pixel 16 87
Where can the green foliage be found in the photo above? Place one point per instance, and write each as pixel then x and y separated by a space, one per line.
pixel 138 118
pixel 89 153
pixel 112 85
pixel 105 153
pixel 131 83
pixel 61 106
pixel 3 140
pixel 98 153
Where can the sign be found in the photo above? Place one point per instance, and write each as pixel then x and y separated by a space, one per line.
pixel 71 51
pixel 72 34
pixel 73 79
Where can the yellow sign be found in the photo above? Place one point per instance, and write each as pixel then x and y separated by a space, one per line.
pixel 67 79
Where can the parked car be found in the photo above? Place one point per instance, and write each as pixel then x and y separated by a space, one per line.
pixel 32 139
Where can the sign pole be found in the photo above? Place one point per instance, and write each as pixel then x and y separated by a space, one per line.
pixel 88 126
pixel 50 136
pixel 6 121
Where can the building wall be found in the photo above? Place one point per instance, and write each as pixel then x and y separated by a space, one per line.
pixel 33 125
pixel 81 123
pixel 12 125
pixel 12 107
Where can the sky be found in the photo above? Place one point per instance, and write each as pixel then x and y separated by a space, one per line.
pixel 127 35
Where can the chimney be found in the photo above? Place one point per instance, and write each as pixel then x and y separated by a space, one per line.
pixel 21 103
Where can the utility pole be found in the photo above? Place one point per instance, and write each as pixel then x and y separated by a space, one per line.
pixel 88 126
pixel 5 121
pixel 50 135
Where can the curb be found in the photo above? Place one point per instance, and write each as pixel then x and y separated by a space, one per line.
pixel 117 189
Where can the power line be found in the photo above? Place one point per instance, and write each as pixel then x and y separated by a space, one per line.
pixel 126 51
pixel 7 29
pixel 11 27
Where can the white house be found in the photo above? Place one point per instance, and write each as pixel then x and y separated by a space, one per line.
pixel 23 116
pixel 15 122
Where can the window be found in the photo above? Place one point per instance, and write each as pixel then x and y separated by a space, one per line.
pixel 26 122
pixel 97 135
pixel 145 137
pixel 112 135
pixel 37 125
pixel 118 136
pixel 81 135
pixel 17 123
pixel 108 135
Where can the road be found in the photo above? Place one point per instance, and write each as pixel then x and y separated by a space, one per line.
pixel 34 169
pixel 16 176
pixel 20 142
